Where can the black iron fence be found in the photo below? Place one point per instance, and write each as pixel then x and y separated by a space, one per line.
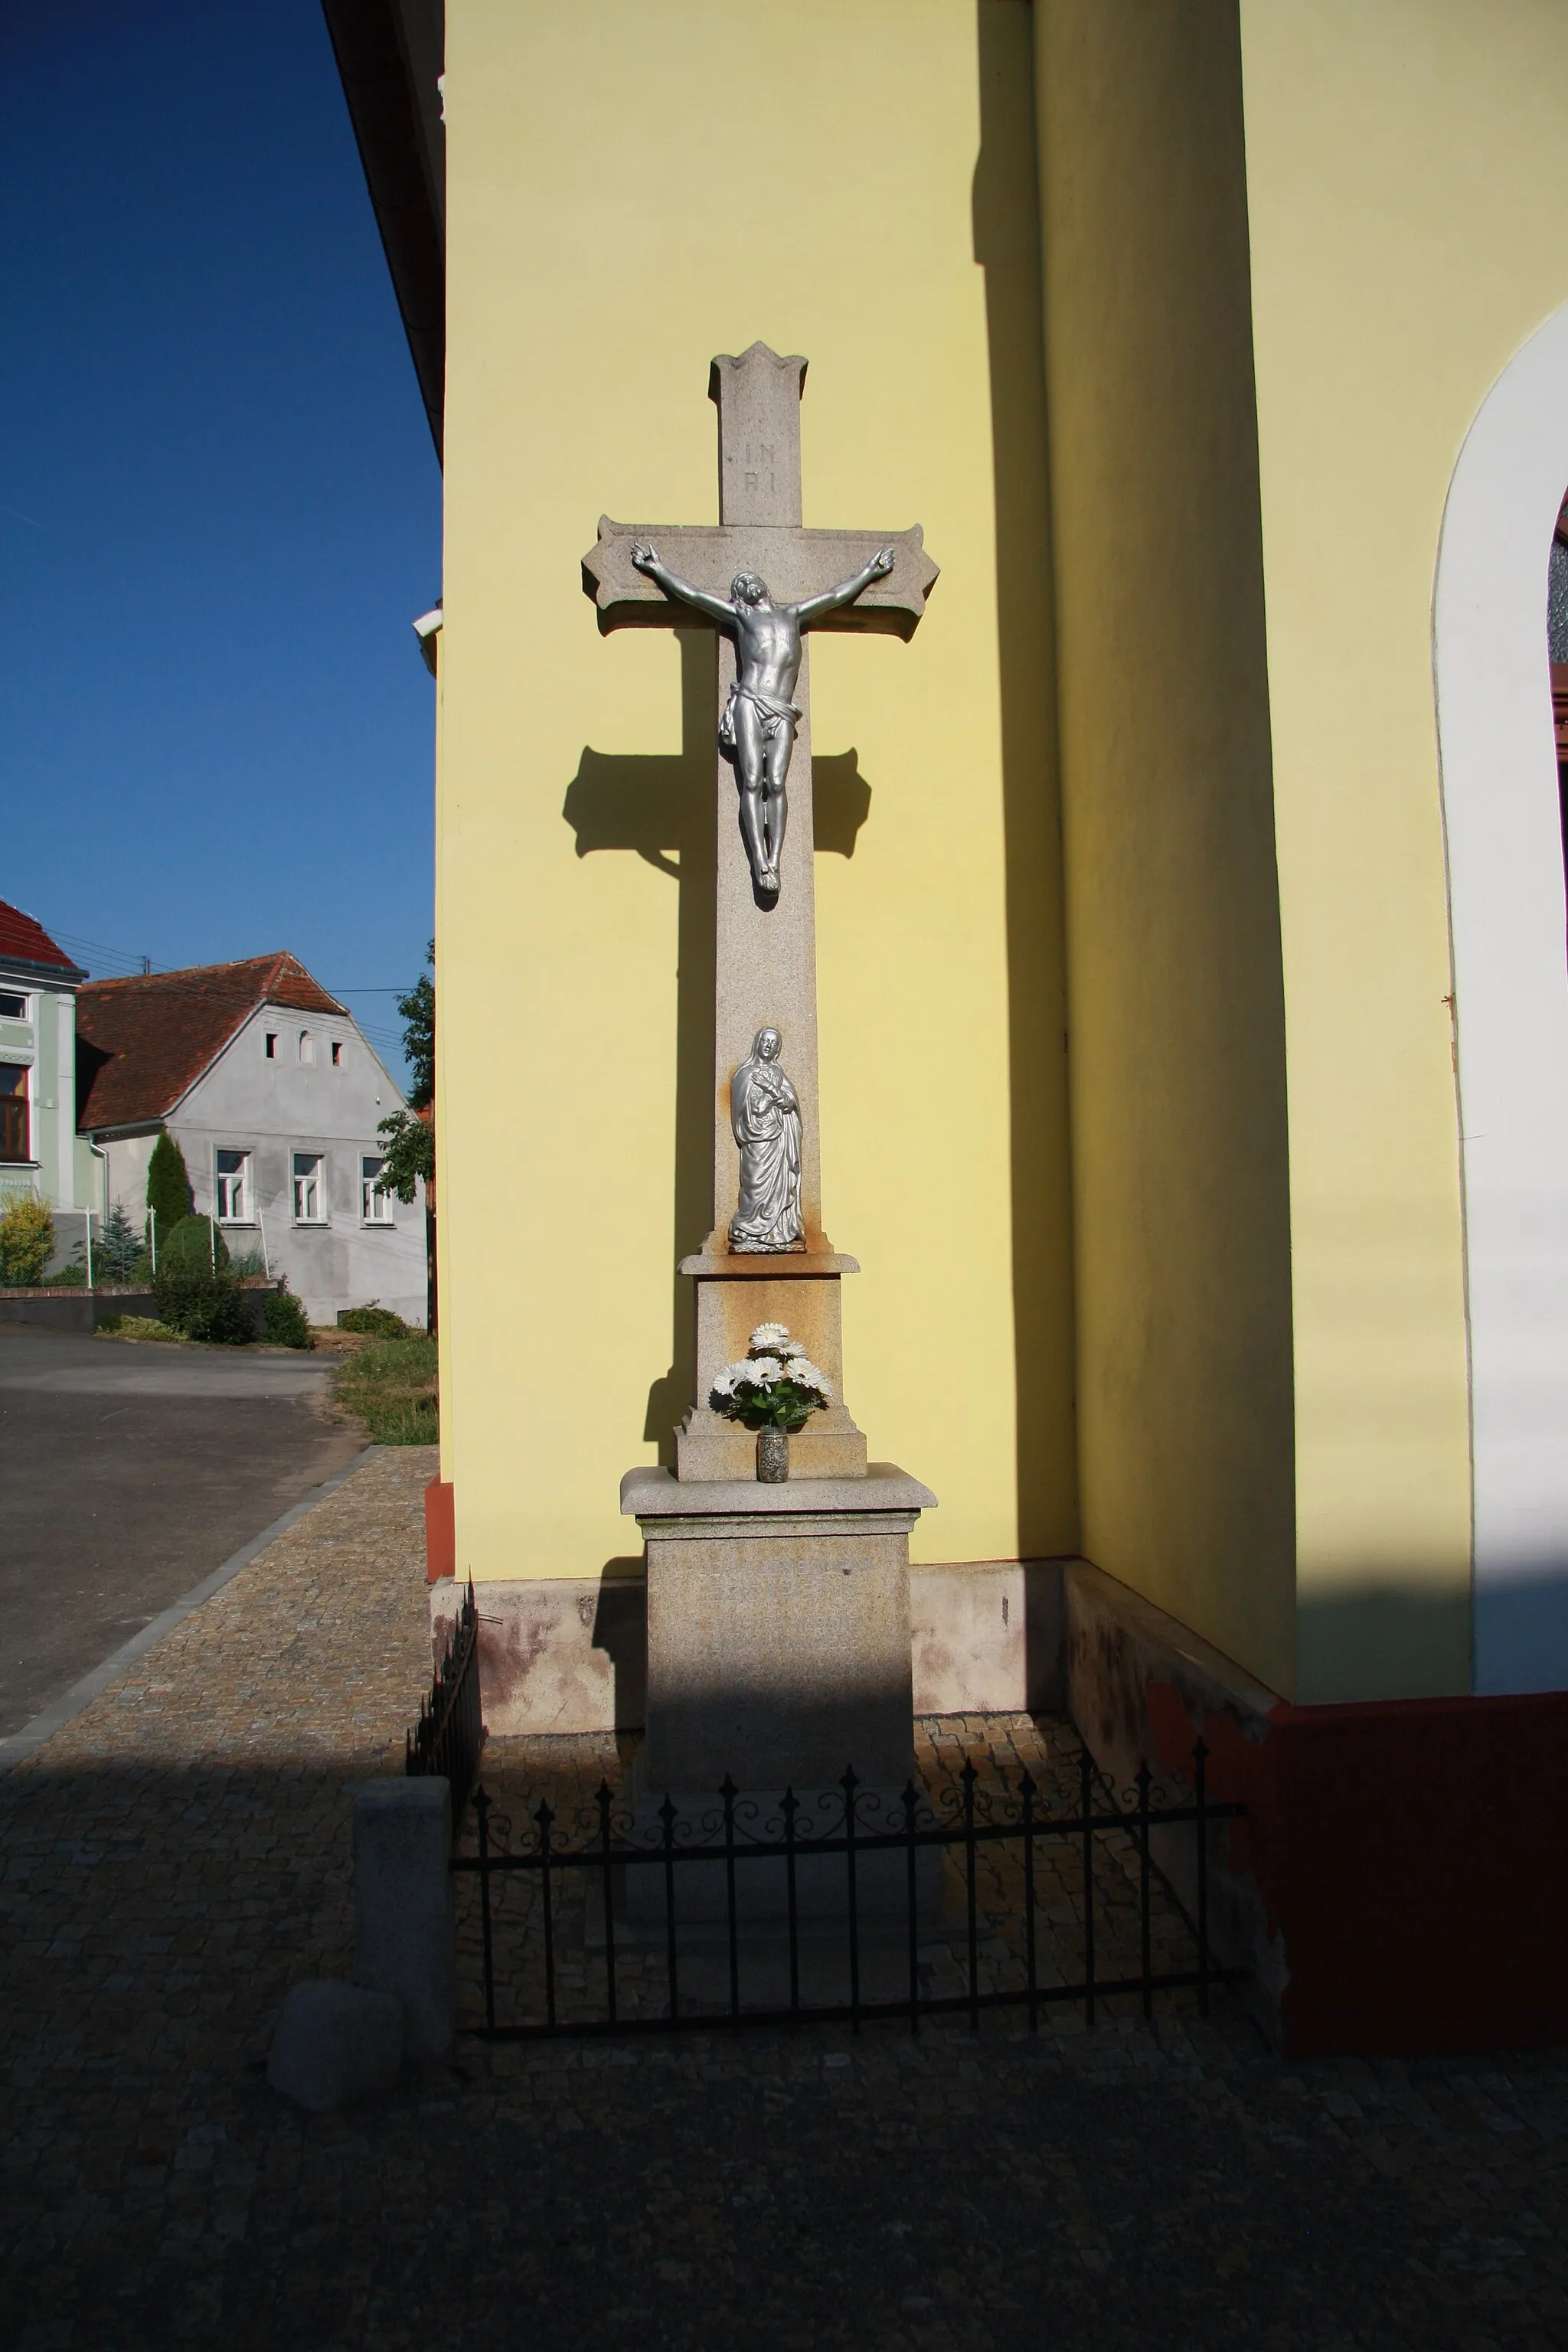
pixel 450 1732
pixel 850 1905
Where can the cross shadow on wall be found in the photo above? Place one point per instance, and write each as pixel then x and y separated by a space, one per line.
pixel 660 807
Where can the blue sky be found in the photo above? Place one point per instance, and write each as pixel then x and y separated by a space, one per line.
pixel 219 503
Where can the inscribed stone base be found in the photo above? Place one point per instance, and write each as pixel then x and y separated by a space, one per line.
pixel 734 1294
pixel 778 1629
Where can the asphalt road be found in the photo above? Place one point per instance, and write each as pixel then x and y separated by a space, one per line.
pixel 127 1473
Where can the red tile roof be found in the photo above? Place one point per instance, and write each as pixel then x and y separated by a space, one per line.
pixel 141 1042
pixel 22 940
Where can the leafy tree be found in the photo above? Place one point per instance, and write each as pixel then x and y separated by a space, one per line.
pixel 408 1143
pixel 168 1186
pixel 283 1318
pixel 27 1241
pixel 418 1010
pixel 204 1305
pixel 408 1138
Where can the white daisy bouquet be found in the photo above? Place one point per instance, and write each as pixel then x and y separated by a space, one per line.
pixel 777 1387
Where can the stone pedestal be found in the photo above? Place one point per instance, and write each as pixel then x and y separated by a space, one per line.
pixel 778 1653
pixel 734 1294
pixel 778 1628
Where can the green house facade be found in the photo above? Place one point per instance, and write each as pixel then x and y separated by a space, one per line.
pixel 41 1154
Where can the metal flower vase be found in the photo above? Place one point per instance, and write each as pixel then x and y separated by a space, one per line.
pixel 773 1456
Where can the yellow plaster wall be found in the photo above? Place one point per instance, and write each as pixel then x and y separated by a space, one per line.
pixel 1174 993
pixel 1408 185
pixel 623 202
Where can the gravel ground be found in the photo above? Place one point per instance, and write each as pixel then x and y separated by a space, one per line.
pixel 177 1857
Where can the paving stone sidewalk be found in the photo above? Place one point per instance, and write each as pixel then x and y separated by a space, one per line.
pixel 177 1857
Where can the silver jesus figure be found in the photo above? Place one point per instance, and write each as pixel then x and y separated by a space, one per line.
pixel 757 730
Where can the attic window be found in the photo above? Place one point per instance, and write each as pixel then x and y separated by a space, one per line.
pixel 272 1044
pixel 306 1049
pixel 12 1006
pixel 337 1055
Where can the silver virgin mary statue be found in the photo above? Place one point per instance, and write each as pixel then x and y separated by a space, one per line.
pixel 765 1115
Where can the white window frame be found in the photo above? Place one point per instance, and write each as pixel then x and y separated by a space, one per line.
pixel 375 1208
pixel 244 1154
pixel 319 1177
pixel 28 1094
pixel 26 997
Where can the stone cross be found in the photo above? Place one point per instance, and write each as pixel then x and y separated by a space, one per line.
pixel 765 952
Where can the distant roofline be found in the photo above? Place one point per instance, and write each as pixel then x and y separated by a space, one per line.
pixel 152 1122
pixel 135 980
pixel 164 1017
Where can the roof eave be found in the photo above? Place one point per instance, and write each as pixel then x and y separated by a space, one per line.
pixel 123 1130
pixel 63 975
pixel 384 51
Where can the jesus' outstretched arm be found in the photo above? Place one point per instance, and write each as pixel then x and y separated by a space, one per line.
pixel 646 560
pixel 830 600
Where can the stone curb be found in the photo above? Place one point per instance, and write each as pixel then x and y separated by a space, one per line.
pixel 20 1745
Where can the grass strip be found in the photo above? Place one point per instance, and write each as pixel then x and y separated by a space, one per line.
pixel 391 1387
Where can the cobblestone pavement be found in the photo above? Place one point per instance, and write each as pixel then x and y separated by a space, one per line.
pixel 178 1856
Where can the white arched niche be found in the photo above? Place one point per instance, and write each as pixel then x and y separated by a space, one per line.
pixel 1511 1002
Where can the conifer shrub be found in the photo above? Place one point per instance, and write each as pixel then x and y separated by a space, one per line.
pixel 117 1253
pixel 168 1185
pixel 27 1241
pixel 195 1241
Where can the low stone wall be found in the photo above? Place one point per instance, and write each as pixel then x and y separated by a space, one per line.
pixel 72 1309
pixel 557 1655
pixel 1119 1653
pixel 568 1655
pixel 76 1309
pixel 986 1637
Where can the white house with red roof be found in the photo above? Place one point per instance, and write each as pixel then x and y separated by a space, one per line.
pixel 41 1153
pixel 274 1096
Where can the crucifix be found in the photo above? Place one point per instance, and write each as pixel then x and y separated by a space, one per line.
pixel 762 581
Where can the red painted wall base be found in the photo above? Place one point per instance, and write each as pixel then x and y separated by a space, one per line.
pixel 1412 1856
pixel 440 1531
